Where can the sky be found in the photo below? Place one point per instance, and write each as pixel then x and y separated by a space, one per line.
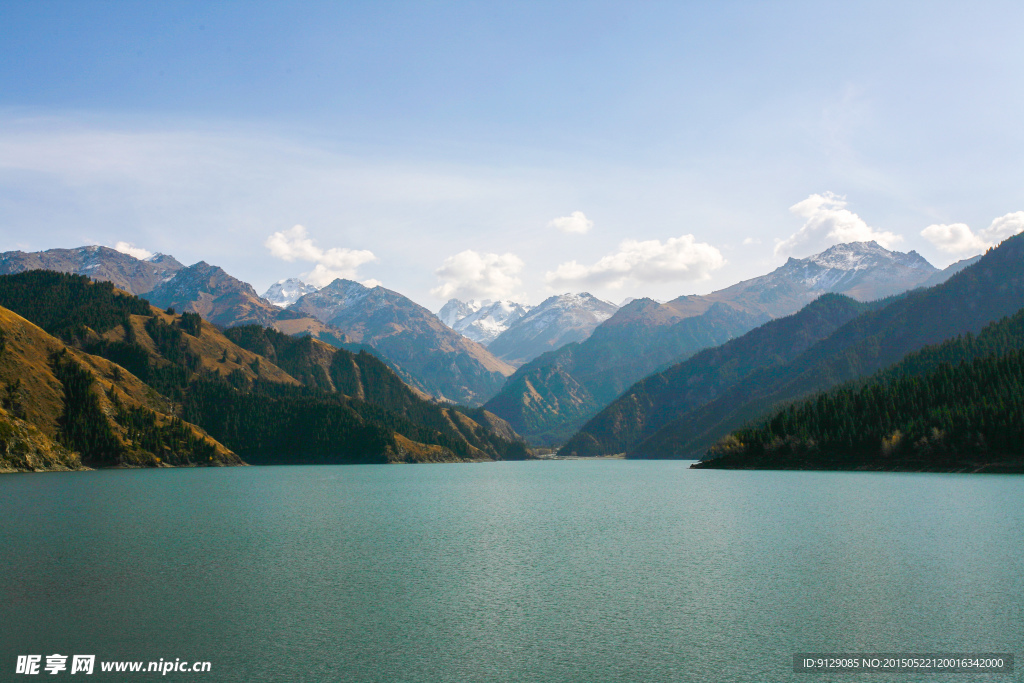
pixel 510 150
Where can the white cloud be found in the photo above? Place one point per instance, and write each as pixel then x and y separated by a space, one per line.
pixel 1005 226
pixel 828 222
pixel 751 240
pixel 678 259
pixel 576 222
pixel 470 275
pixel 296 245
pixel 132 250
pixel 958 238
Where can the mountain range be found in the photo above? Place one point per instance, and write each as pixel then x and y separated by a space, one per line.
pixel 549 398
pixel 576 352
pixel 669 420
pixel 211 373
pixel 403 334
pixel 92 376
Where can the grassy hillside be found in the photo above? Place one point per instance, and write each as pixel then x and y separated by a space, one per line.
pixel 66 409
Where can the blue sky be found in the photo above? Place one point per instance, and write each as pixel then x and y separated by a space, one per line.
pixel 510 150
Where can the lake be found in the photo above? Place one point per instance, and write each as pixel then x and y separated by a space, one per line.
pixel 534 571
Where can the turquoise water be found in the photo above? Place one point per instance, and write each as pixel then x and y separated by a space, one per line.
pixel 536 571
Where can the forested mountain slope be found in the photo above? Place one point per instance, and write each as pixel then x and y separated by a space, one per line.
pixel 61 408
pixel 956 406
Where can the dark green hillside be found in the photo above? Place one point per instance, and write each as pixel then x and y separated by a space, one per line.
pixel 86 430
pixel 82 424
pixel 957 406
pixel 656 400
pixel 984 292
pixel 64 304
pixel 367 379
pixel 300 357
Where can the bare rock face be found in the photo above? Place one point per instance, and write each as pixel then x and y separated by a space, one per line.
pixel 219 298
pixel 133 275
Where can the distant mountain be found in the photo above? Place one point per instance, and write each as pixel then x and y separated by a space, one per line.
pixel 550 397
pixel 660 398
pixel 444 363
pixel 489 320
pixel 558 321
pixel 455 310
pixel 547 399
pixel 863 270
pixel 133 275
pixel 941 276
pixel 219 298
pixel 991 288
pixel 284 293
pixel 517 333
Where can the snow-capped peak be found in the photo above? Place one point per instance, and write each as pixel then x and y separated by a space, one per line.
pixel 841 265
pixel 561 304
pixel 481 321
pixel 862 255
pixel 491 319
pixel 455 310
pixel 286 292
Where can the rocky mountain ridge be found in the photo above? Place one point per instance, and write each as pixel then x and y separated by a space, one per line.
pixel 482 321
pixel 135 276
